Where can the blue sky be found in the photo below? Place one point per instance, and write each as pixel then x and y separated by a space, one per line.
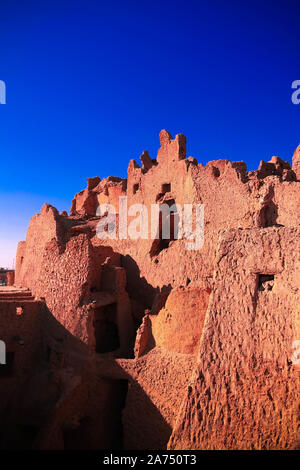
pixel 90 84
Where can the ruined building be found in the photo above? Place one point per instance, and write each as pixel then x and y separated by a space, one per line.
pixel 143 344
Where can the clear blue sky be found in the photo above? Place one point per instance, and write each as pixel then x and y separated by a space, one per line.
pixel 91 83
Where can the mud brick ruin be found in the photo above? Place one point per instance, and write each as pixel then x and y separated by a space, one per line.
pixel 142 344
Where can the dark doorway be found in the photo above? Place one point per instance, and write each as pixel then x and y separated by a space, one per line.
pixel 171 220
pixel 166 188
pixel 106 329
pixel 114 426
pixel 135 188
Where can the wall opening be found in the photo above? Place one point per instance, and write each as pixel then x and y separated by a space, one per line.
pixel 162 243
pixel 106 329
pixel 265 282
pixel 270 214
pixel 166 188
pixel 135 188
pixel 216 171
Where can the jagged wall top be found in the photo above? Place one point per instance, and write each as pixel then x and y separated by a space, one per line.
pixel 169 157
pixel 296 162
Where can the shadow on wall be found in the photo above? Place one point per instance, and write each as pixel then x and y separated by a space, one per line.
pixel 271 214
pixel 82 432
pixel 144 426
pixel 36 393
pixel 137 287
pixel 67 403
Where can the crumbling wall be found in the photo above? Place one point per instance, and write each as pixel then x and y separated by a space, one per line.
pixel 165 349
pixel 43 227
pixel 231 196
pixel 178 326
pixel 60 265
pixel 86 416
pixel 231 379
pixel 296 162
pixel 245 391
pixel 64 282
pixel 21 331
pixel 98 192
pixel 156 384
